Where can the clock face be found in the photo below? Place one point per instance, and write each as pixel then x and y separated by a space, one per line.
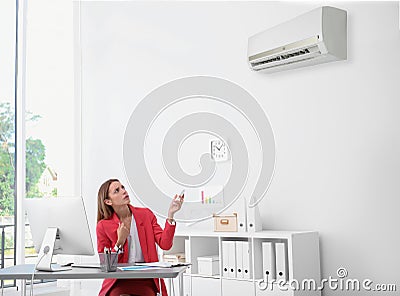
pixel 219 150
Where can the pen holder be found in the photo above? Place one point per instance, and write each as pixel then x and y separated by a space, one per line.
pixel 108 261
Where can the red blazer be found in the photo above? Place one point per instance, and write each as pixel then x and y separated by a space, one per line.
pixel 149 233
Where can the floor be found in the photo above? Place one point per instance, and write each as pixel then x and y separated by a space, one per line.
pixel 60 288
pixel 69 288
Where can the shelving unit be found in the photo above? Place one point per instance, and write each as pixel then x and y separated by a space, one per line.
pixel 301 250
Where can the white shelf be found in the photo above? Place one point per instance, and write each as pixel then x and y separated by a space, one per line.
pixel 237 279
pixel 261 234
pixel 301 253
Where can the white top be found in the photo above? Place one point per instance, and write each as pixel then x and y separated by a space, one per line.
pixel 134 248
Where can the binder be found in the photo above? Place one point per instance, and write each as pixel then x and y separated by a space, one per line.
pixel 254 222
pixel 239 207
pixel 232 259
pixel 242 217
pixel 187 255
pixel 269 265
pixel 225 258
pixel 281 262
pixel 246 260
pixel 239 259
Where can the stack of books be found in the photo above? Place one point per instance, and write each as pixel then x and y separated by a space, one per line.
pixel 174 258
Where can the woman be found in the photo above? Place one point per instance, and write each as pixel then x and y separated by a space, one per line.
pixel 135 232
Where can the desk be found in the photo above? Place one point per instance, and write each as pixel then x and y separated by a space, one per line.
pixel 24 272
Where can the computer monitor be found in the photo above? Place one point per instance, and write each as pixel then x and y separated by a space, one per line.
pixel 59 225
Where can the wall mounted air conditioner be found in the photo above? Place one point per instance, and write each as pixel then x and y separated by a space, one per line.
pixel 316 37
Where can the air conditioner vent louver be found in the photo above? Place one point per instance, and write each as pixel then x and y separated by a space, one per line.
pixel 318 36
pixel 296 53
pixel 286 58
pixel 282 57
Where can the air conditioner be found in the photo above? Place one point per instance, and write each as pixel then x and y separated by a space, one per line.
pixel 316 37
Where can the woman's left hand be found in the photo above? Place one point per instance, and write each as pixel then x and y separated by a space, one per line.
pixel 175 205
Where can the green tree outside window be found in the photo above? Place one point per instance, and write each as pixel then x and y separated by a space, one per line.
pixel 35 156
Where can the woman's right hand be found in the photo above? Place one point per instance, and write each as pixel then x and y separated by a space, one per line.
pixel 122 233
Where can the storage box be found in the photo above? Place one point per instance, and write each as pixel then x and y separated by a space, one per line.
pixel 225 222
pixel 208 265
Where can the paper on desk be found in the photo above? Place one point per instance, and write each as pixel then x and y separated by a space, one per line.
pixel 162 264
pixel 155 264
pixel 135 267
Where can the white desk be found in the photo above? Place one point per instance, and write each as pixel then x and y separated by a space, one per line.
pixel 24 272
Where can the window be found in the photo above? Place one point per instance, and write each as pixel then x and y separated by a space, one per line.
pixel 52 117
pixel 7 131
pixel 52 122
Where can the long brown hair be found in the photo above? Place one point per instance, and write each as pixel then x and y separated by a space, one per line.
pixel 104 211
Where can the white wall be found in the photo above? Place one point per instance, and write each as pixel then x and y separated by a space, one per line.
pixel 336 125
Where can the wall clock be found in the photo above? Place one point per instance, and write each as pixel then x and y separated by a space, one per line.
pixel 219 150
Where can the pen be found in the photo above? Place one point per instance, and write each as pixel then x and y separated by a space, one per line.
pixel 107 258
pixel 116 256
pixel 181 195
